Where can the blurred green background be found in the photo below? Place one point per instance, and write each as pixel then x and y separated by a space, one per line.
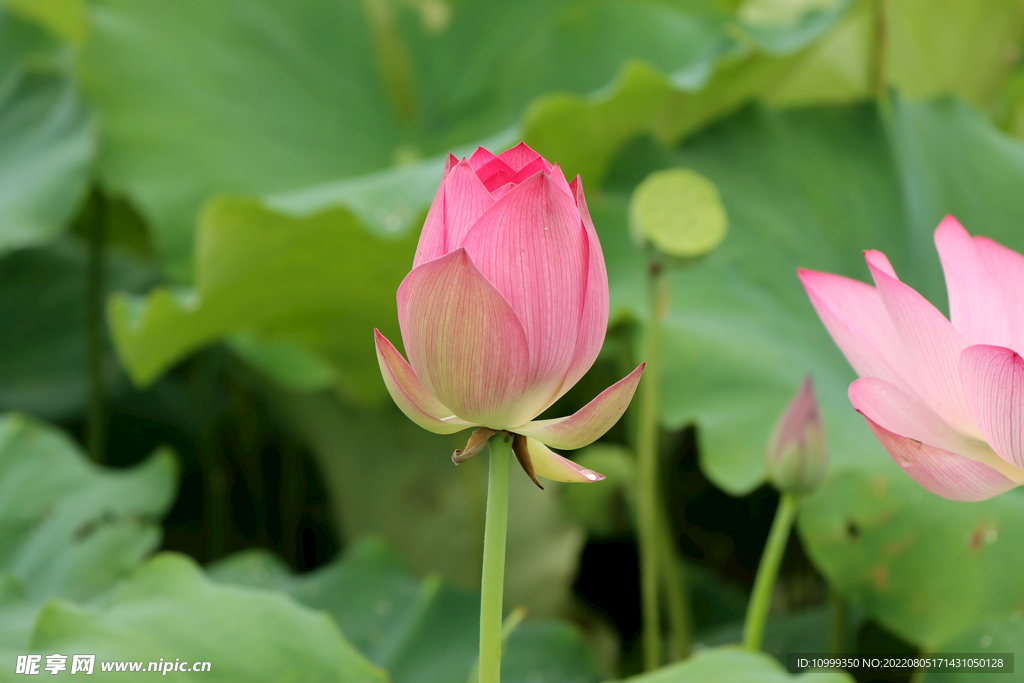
pixel 207 205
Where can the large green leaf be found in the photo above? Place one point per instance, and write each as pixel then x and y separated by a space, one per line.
pixel 729 665
pixel 44 367
pixel 391 478
pixel 262 96
pixel 420 632
pixel 68 528
pixel 320 284
pixel 169 610
pixel 926 567
pixel 47 141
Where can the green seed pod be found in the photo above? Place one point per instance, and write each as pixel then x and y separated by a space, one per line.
pixel 678 212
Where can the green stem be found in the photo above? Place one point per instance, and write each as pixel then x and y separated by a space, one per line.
pixel 648 498
pixel 511 623
pixel 96 228
pixel 764 582
pixel 676 591
pixel 492 582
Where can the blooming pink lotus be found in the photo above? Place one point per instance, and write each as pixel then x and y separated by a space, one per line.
pixel 944 397
pixel 505 309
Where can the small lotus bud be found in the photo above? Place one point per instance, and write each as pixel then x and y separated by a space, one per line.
pixel 795 457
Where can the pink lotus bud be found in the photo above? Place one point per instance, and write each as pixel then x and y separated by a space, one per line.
pixel 795 458
pixel 505 309
pixel 944 397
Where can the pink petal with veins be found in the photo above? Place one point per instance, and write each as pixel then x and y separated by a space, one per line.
pixel 550 465
pixel 1007 268
pixel 464 340
pixel 993 380
pixel 932 346
pixel 853 313
pixel 591 421
pixel 409 394
pixel 520 156
pixel 460 201
pixel 976 306
pixel 594 321
pixel 942 472
pixel 906 415
pixel 532 247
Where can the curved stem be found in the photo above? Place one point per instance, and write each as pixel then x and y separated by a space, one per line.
pixel 764 582
pixel 648 498
pixel 493 579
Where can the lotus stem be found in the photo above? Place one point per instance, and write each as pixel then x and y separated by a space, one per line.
pixel 493 579
pixel 677 593
pixel 767 571
pixel 648 492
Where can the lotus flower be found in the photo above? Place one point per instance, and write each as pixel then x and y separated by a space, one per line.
pixel 944 397
pixel 796 458
pixel 504 310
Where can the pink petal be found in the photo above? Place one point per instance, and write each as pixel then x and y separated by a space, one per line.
pixel 594 322
pixel 550 465
pixel 500 192
pixel 532 247
pixel 798 419
pixel 449 164
pixel 480 158
pixel 409 394
pixel 993 380
pixel 591 421
pixel 1007 268
pixel 853 313
pixel 908 416
pixel 520 156
pixel 976 306
pixel 492 171
pixel 431 243
pixel 879 261
pixel 946 474
pixel 464 341
pixel 932 346
pixel 559 178
pixel 459 202
pixel 538 165
pixel 465 200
